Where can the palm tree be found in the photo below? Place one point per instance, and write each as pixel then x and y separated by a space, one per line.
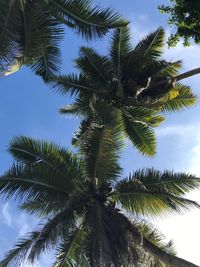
pixel 92 218
pixel 131 85
pixel 30 31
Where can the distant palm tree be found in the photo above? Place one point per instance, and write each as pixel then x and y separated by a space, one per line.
pixel 30 31
pixel 91 217
pixel 133 86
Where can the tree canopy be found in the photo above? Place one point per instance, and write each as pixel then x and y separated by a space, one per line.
pixel 30 31
pixel 131 86
pixel 184 15
pixel 93 216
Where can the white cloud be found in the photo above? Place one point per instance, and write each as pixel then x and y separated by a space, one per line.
pixel 177 130
pixel 184 229
pixel 194 165
pixel 7 215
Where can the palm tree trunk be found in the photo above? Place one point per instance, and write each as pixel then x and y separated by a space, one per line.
pixel 165 257
pixel 187 74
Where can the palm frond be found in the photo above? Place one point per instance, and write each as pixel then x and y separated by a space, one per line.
pixel 94 66
pixel 44 207
pixel 83 18
pixel 100 149
pixel 31 152
pixel 55 229
pixel 45 172
pixel 146 52
pixel 176 183
pixel 72 84
pixel 150 192
pixel 33 37
pixel 149 116
pixel 152 45
pixel 79 108
pixel 151 233
pixel 33 183
pixel 9 28
pixel 120 48
pixel 50 234
pixel 172 69
pixel 141 135
pixel 20 252
pixel 179 97
pixel 41 36
pixel 69 251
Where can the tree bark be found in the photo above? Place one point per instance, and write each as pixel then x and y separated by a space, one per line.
pixel 187 74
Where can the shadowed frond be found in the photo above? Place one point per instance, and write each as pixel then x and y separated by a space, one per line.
pixel 21 250
pixel 53 231
pixel 86 20
pixel 72 84
pixel 69 253
pixel 151 233
pixel 120 48
pixel 93 65
pixel 31 31
pixel 100 149
pixel 44 207
pixel 152 44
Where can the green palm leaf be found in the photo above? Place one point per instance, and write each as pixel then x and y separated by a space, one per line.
pixel 82 215
pixel 151 117
pixel 84 19
pixel 152 44
pixel 120 48
pixel 151 233
pixel 30 152
pixel 172 69
pixel 33 183
pixel 141 135
pixel 183 98
pixel 100 151
pixel 176 183
pixel 19 253
pixel 31 31
pixel 73 84
pixel 150 192
pixel 69 252
pixel 44 207
pixel 93 65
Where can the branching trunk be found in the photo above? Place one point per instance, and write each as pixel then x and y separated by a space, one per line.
pixel 187 74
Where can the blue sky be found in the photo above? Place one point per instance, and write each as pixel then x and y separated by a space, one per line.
pixel 29 107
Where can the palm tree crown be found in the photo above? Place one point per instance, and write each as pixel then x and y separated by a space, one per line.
pixel 30 31
pixel 131 86
pixel 86 206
